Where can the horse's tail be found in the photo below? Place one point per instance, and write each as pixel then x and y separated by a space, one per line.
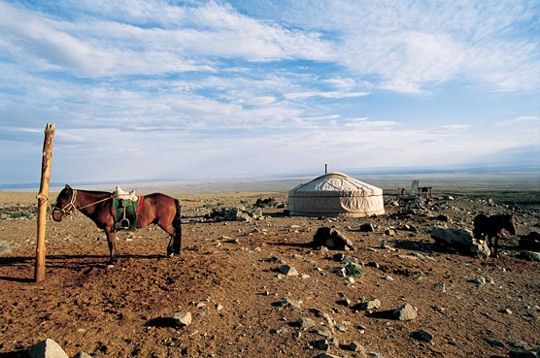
pixel 177 223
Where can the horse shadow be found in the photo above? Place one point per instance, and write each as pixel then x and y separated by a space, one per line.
pixel 15 354
pixel 70 262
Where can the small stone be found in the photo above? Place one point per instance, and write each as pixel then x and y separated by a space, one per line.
pixel 327 355
pixel 47 349
pixel 288 270
pixel 332 239
pixel 480 281
pixel 219 307
pixel 279 331
pixel 495 343
pixel 304 323
pixel 507 311
pixel 423 336
pixel 405 312
pixel 354 270
pixel 367 227
pixel 182 318
pixel 388 278
pixel 354 347
pixel 321 344
pixel 440 286
pixel 390 232
pixel 288 302
pixel 368 305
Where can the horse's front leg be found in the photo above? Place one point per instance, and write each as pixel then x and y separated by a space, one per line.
pixel 111 241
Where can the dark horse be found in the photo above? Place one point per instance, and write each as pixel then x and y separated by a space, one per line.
pixel 156 208
pixel 488 227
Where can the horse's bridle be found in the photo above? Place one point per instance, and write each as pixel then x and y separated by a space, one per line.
pixel 69 207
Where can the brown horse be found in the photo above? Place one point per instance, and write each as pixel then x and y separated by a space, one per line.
pixel 156 208
pixel 488 227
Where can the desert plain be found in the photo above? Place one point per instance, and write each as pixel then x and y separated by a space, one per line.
pixel 230 279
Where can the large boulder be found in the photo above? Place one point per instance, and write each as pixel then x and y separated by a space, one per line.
pixel 530 255
pixel 331 238
pixel 461 240
pixel 530 242
pixel 47 349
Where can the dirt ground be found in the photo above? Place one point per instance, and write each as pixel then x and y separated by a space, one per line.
pixel 227 278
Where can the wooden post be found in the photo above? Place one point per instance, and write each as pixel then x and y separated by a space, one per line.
pixel 43 198
pixel 325 168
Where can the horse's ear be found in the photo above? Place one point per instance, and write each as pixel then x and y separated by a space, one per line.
pixel 68 187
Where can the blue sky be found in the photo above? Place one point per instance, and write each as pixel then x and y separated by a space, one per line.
pixel 194 90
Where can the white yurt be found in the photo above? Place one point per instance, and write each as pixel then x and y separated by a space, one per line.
pixel 336 194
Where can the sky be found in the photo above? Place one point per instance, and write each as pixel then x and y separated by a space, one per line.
pixel 205 90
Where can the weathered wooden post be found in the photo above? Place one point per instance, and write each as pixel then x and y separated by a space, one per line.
pixel 43 198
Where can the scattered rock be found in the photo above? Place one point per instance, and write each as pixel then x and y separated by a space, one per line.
pixel 367 227
pixel 182 318
pixel 405 312
pixel 327 355
pixel 460 240
pixel 480 281
pixel 47 349
pixel 423 336
pixel 390 232
pixel 354 347
pixel 440 286
pixel 530 255
pixel 531 353
pixel 442 217
pixel 332 239
pixel 288 270
pixel 321 344
pixel 368 305
pixel 530 242
pixel 288 302
pixel 304 323
pixel 354 270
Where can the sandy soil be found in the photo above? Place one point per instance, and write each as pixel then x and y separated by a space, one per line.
pixel 227 278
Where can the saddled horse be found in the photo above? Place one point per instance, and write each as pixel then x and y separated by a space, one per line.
pixel 491 227
pixel 155 208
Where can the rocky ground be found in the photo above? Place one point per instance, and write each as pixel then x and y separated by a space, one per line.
pixel 256 289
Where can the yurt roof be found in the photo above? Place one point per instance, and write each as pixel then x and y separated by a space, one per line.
pixel 337 182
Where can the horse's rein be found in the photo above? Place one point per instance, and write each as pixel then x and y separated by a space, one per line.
pixel 71 205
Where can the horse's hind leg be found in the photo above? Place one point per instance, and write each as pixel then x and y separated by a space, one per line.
pixel 169 229
pixel 111 241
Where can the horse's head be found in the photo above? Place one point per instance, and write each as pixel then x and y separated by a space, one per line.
pixel 65 203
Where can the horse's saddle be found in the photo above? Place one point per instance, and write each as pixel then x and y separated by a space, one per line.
pixel 125 209
pixel 119 193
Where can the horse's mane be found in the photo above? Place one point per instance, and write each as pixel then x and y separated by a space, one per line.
pixel 97 192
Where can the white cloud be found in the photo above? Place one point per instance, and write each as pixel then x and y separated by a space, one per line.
pixel 323 94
